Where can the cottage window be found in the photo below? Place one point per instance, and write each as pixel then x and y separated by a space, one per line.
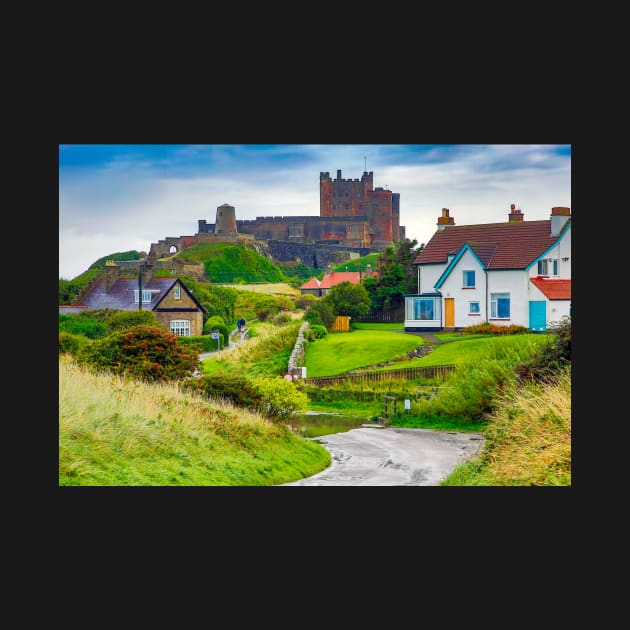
pixel 427 308
pixel 469 279
pixel 180 327
pixel 500 305
pixel 548 267
pixel 177 293
pixel 473 308
pixel 146 296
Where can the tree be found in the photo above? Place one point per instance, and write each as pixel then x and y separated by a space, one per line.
pixel 396 276
pixel 348 299
pixel 320 313
pixel 405 253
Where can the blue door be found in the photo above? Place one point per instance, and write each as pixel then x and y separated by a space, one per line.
pixel 538 315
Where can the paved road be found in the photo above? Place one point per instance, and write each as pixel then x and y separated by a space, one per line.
pixel 392 457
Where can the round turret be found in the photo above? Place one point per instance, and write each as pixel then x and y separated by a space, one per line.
pixel 225 222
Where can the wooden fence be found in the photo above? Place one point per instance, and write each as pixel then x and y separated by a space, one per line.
pixel 409 374
pixel 397 315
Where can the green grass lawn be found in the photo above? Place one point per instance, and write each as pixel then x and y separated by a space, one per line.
pixel 379 326
pixel 340 352
pixel 458 352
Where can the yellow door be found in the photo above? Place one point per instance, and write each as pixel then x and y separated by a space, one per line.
pixel 449 312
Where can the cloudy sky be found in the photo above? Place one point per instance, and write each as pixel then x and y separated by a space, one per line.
pixel 115 198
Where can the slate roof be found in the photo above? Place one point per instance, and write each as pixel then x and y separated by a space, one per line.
pixel 121 295
pixel 553 289
pixel 498 245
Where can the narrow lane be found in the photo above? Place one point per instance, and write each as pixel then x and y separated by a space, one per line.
pixel 393 457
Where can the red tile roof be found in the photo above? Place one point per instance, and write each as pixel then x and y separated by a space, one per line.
pixel 498 245
pixel 313 283
pixel 553 289
pixel 336 277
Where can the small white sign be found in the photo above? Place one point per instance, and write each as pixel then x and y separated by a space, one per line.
pixel 407 404
pixel 214 335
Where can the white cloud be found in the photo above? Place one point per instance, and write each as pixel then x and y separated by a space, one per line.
pixel 128 205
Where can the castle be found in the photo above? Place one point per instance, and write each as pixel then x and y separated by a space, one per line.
pixel 355 219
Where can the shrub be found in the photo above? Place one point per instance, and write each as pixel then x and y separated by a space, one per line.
pixel 305 301
pixel 82 324
pixel 314 332
pixel 280 398
pixel 552 356
pixel 124 320
pixel 71 344
pixel 280 319
pixel 320 314
pixel 147 352
pixel 216 323
pixel 237 389
pixel 486 328
pixel 201 343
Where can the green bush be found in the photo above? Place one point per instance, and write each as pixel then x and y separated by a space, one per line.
pixel 82 324
pixel 551 357
pixel 146 352
pixel 281 399
pixel 124 320
pixel 71 344
pixel 280 319
pixel 314 332
pixel 305 301
pixel 320 313
pixel 239 390
pixel 203 343
pixel 216 323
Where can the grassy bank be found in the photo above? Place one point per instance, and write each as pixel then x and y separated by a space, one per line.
pixel 528 439
pixel 117 432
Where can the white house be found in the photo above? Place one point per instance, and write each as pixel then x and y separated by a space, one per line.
pixel 513 273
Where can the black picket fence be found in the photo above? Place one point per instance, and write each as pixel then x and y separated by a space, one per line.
pixel 396 315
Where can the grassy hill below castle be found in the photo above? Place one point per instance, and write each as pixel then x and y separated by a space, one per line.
pixel 225 264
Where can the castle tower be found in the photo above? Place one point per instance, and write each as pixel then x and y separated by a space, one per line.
pixel 225 222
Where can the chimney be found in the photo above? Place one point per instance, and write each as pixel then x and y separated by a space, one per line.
pixel 516 215
pixel 111 272
pixel 445 220
pixel 339 174
pixel 329 269
pixel 559 216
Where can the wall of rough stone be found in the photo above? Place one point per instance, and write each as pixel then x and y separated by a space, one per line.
pixel 169 301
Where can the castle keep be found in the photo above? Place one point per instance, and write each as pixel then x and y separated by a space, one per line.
pixel 352 213
pixel 355 219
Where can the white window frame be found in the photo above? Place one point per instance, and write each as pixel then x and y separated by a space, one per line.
pixel 470 307
pixel 177 294
pixel 180 327
pixel 494 304
pixel 146 296
pixel 543 267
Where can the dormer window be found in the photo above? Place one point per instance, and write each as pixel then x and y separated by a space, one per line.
pixel 177 292
pixel 146 296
